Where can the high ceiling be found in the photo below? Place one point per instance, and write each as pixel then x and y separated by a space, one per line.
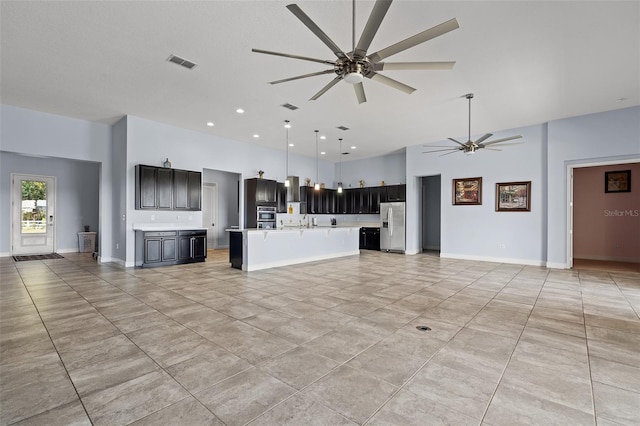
pixel 527 62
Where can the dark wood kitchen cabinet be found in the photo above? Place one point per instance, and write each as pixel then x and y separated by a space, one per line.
pixel 192 246
pixel 261 190
pixel 159 188
pixel 187 190
pixel 396 192
pixel 370 238
pixel 154 189
pixel 170 247
pixel 159 248
pixel 282 198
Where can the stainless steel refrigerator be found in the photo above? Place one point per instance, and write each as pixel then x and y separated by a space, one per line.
pixel 392 230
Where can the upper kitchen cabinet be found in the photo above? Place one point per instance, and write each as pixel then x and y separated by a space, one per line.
pixel 282 198
pixel 154 188
pixel 262 191
pixel 187 190
pixel 396 192
pixel 159 188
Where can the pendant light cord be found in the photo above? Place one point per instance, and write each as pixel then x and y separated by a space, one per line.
pixel 317 173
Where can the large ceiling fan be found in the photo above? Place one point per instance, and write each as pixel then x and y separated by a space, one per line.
pixel 470 147
pixel 354 66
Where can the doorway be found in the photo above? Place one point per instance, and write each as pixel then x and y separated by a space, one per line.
pixel 210 213
pixel 431 198
pixel 33 200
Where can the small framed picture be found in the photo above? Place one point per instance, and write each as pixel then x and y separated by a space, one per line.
pixel 513 197
pixel 467 191
pixel 618 181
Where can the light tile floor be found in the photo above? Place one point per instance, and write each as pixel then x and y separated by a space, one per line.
pixel 326 343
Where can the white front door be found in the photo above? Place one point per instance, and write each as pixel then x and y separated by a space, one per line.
pixel 210 213
pixel 33 202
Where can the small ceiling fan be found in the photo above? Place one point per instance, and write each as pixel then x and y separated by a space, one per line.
pixel 354 66
pixel 470 147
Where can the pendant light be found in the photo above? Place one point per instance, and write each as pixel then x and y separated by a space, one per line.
pixel 287 126
pixel 340 169
pixel 317 184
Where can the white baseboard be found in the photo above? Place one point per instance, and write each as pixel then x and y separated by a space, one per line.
pixel 493 259
pixel 555 265
pixel 67 250
pixel 5 254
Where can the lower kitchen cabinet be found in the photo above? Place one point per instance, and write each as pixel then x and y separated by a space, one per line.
pixel 192 246
pixel 370 238
pixel 161 248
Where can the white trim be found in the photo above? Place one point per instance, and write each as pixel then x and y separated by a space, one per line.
pixel 569 198
pixel 554 265
pixel 493 259
pixel 69 250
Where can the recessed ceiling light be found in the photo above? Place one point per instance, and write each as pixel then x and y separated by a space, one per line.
pixel 240 111
pixel 353 147
pixel 210 123
pixel 256 136
pixel 322 153
pixel 291 144
pixel 323 137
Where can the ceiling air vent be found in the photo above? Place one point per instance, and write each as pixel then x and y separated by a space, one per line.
pixel 289 106
pixel 182 62
pixel 346 153
pixel 342 128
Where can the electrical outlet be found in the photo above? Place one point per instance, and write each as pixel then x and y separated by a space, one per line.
pixel 153 217
pixel 117 246
pixel 502 245
pixel 177 217
pixel 124 217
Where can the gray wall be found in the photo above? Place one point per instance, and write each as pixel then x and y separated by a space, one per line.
pixel 431 197
pixel 77 195
pixel 52 136
pixel 228 212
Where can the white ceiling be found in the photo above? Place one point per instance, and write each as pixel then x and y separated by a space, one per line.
pixel 527 62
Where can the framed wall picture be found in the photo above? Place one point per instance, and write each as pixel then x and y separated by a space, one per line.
pixel 467 191
pixel 618 181
pixel 513 197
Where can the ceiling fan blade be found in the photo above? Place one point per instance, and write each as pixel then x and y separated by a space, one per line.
pixel 295 9
pixel 371 28
pixel 490 149
pixel 415 40
pixel 440 150
pixel 507 144
pixel 359 88
pixel 392 83
pixel 450 153
pixel 287 55
pixel 501 140
pixel 313 74
pixel 440 146
pixel 325 88
pixel 405 66
pixel 484 138
pixel 458 142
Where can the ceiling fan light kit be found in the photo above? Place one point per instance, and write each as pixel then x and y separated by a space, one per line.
pixel 353 67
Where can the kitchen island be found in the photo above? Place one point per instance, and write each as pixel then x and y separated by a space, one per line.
pixel 255 249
